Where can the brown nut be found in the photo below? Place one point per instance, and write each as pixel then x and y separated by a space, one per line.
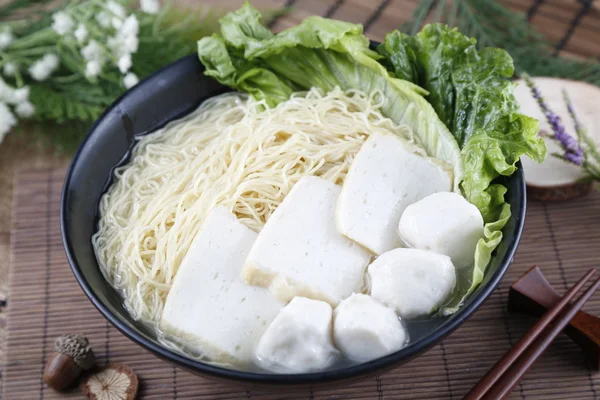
pixel 72 355
pixel 61 371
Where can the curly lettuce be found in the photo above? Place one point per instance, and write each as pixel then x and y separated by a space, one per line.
pixel 457 100
pixel 471 93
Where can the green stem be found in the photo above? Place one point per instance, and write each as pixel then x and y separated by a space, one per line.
pixel 19 78
pixel 67 79
pixel 35 51
pixel 42 36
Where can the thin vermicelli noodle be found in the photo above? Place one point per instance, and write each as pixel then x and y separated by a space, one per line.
pixel 232 151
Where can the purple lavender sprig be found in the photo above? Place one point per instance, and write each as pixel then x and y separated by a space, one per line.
pixel 591 159
pixel 573 151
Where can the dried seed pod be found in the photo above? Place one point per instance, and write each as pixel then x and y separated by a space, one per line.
pixel 114 382
pixel 72 355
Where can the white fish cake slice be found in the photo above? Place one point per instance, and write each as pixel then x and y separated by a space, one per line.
pixel 299 251
pixel 385 177
pixel 209 308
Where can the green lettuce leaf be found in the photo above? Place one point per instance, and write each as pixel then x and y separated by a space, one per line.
pixel 471 93
pixel 320 53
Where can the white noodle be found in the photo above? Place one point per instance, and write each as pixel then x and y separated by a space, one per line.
pixel 232 151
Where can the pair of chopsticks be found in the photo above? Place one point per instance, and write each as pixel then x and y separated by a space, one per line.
pixel 507 372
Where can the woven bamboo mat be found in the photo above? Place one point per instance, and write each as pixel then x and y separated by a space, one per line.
pixel 45 301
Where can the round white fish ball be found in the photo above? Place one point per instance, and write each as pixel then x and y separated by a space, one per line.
pixel 445 223
pixel 365 329
pixel 299 339
pixel 414 282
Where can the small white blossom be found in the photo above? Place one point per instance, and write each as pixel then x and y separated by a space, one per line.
pixel 92 69
pixel 44 67
pixel 25 109
pixel 131 27
pixel 92 51
pixel 117 12
pixel 7 120
pixel 6 92
pixel 116 9
pixel 63 23
pixel 130 44
pixel 51 61
pixel 124 63
pixel 10 69
pixel 150 6
pixel 116 22
pixel 6 38
pixel 39 71
pixel 20 95
pixel 81 33
pixel 103 19
pixel 130 80
pixel 114 45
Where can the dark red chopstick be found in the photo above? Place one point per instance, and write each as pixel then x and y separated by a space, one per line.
pixel 498 371
pixel 516 371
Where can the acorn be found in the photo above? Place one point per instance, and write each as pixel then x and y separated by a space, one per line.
pixel 72 355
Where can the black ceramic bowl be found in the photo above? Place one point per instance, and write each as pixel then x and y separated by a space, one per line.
pixel 169 94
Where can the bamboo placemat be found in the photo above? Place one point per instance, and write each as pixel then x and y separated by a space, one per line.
pixel 45 301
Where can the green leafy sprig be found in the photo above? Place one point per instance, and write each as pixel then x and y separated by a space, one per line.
pixel 493 25
pixel 70 100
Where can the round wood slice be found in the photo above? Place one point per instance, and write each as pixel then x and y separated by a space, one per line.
pixel 555 179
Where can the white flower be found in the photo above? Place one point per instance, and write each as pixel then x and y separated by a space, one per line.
pixel 124 63
pixel 63 23
pixel 6 38
pixel 7 120
pixel 130 80
pixel 81 33
pixel 116 22
pixel 130 27
pixel 6 92
pixel 10 69
pixel 25 109
pixel 51 61
pixel 117 12
pixel 150 6
pixel 44 67
pixel 20 95
pixel 92 51
pixel 116 9
pixel 92 69
pixel 103 19
pixel 39 71
pixel 130 44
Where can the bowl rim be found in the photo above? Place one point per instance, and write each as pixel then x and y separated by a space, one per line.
pixel 328 376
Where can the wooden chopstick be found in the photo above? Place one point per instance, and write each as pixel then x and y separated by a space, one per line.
pixel 497 371
pixel 516 371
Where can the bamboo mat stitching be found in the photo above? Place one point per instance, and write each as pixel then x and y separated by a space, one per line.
pixel 511 341
pixel 540 219
pixel 533 9
pixel 376 14
pixel 333 8
pixel 585 7
pixel 46 282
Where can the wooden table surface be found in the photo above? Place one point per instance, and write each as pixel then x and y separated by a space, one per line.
pixel 554 18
